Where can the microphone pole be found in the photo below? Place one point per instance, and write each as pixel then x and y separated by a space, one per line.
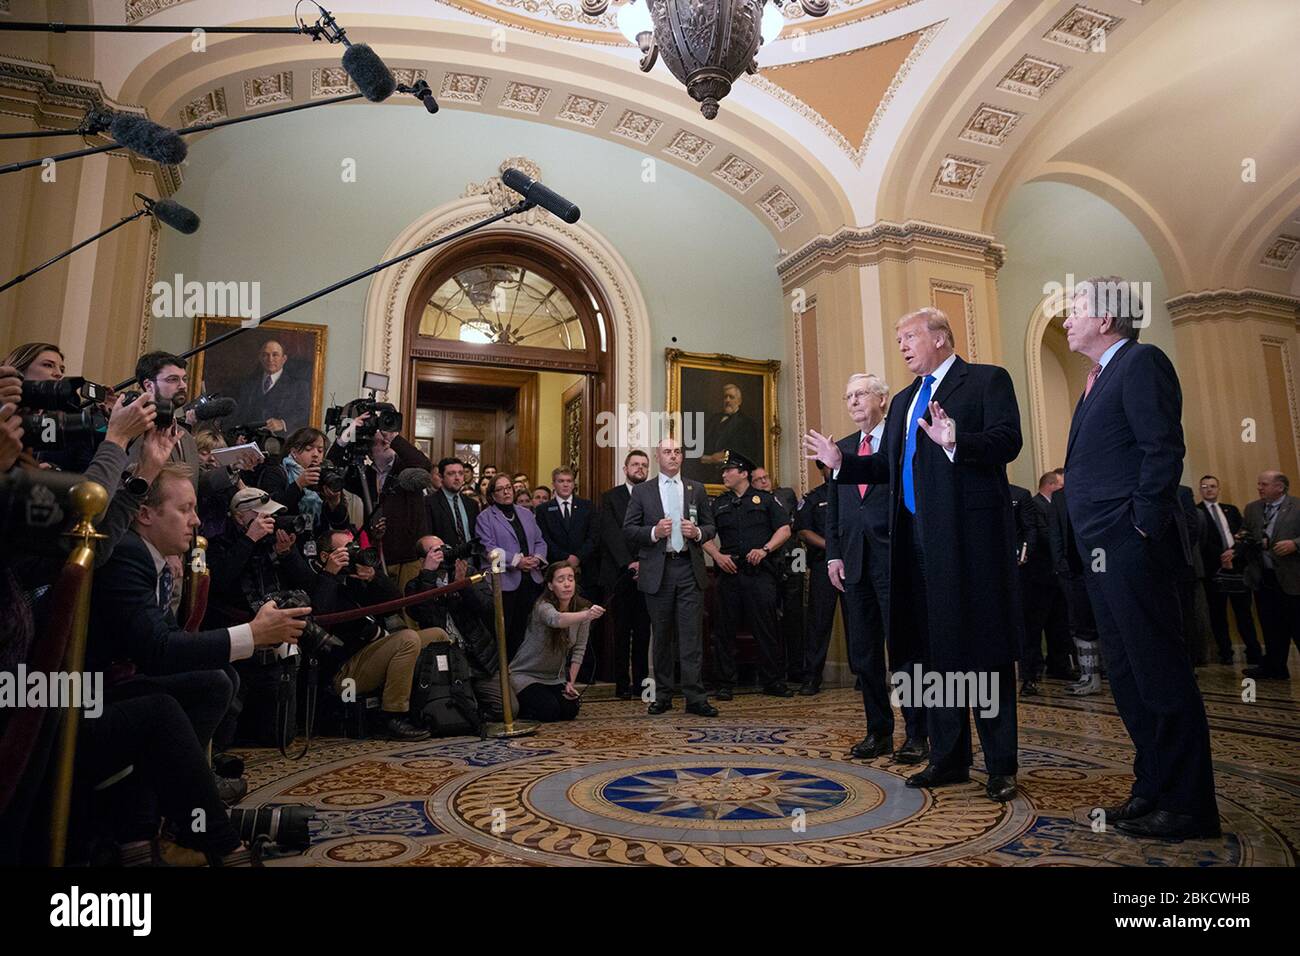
pixel 522 206
pixel 67 252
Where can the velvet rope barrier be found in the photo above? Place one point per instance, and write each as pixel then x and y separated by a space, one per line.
pixel 342 617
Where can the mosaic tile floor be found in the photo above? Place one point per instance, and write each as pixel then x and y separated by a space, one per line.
pixel 769 783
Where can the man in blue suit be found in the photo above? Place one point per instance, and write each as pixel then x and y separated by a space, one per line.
pixel 1124 460
pixel 857 563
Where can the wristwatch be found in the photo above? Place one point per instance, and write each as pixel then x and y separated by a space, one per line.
pixel 766 549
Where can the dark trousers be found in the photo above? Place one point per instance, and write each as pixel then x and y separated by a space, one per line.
pixel 1083 625
pixel 1060 649
pixel 148 731
pixel 630 622
pixel 547 703
pixel 866 608
pixel 822 599
pixel 517 605
pixel 1135 601
pixel 791 588
pixel 1217 601
pixel 1044 606
pixel 1279 617
pixel 205 696
pixel 676 610
pixel 748 597
pixel 949 727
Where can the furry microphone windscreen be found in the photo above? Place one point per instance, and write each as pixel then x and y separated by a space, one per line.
pixel 171 213
pixel 149 140
pixel 368 72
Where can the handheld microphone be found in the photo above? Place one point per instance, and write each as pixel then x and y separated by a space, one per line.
pixel 423 93
pixel 415 480
pixel 171 213
pixel 208 409
pixel 148 139
pixel 534 192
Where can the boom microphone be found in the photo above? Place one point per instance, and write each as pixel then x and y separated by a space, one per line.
pixel 415 480
pixel 423 93
pixel 534 192
pixel 215 408
pixel 372 77
pixel 171 213
pixel 148 139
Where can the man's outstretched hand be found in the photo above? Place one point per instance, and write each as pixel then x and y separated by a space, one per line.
pixel 817 445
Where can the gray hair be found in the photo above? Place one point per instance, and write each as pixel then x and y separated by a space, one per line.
pixel 1116 298
pixel 873 383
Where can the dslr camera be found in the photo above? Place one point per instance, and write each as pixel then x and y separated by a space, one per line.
pixel 315 640
pixel 166 409
pixel 63 414
pixel 332 477
pixel 293 524
pixel 359 557
pixel 472 551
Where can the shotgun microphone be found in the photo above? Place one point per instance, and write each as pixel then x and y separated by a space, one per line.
pixel 534 192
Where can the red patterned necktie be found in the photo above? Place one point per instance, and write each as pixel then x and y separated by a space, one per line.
pixel 864 448
pixel 1092 380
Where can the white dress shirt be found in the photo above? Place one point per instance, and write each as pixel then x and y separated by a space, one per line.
pixel 666 488
pixel 241 635
pixel 274 377
pixel 938 375
pixel 565 503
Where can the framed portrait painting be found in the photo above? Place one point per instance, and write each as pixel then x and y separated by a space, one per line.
pixel 726 404
pixel 275 372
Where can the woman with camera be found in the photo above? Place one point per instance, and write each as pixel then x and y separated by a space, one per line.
pixel 296 482
pixel 543 672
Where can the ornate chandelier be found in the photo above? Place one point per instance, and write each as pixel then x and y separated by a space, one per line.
pixel 707 44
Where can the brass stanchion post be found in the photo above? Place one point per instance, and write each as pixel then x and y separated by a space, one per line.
pixel 511 727
pixel 88 499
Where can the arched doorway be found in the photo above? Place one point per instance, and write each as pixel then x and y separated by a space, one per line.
pixel 509 356
pixel 1056 380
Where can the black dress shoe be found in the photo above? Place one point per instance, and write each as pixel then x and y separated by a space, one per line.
pixel 1163 825
pixel 1264 673
pixel 913 751
pixel 1130 809
pixel 398 727
pixel 659 707
pixel 932 776
pixel 872 745
pixel 723 693
pixel 778 690
pixel 1001 787
pixel 702 710
pixel 1029 689
pixel 809 690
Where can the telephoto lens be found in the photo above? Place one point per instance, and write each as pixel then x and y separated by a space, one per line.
pixel 285 825
pixel 60 395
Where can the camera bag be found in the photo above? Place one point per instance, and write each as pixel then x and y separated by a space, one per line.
pixel 442 698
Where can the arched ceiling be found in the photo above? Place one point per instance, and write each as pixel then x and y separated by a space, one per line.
pixel 1168 119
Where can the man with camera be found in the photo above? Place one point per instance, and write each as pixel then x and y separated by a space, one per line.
pixel 376 658
pixel 162 376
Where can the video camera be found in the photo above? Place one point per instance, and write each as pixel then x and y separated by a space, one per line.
pixel 383 417
pixel 314 639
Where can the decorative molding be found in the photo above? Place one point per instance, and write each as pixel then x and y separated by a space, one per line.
pixel 895 241
pixel 265 90
pixel 1236 303
pixel 409 76
pixel 139 9
pixel 1288 373
pixel 1081 27
pixel 737 173
pixel 143 344
pixel 1038 323
pixel 582 110
pixel 637 126
pixel 958 177
pixel 800 396
pixel 523 98
pixel 331 81
pixel 990 125
pixel 689 147
pixel 4 6
pixel 207 108
pixel 502 197
pixel 51 100
pixel 1032 76
pixel 780 208
pixel 967 293
pixel 856 154
pixel 463 87
pixel 1281 252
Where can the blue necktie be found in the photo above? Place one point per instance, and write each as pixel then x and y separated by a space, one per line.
pixel 166 583
pixel 909 449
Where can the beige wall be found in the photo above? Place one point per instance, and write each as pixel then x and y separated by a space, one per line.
pixel 549 426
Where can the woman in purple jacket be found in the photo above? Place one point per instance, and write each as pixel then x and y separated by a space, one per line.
pixel 513 530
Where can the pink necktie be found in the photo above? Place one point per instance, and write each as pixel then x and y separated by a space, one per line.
pixel 864 448
pixel 1092 380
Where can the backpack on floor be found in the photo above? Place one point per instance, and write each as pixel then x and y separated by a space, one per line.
pixel 442 698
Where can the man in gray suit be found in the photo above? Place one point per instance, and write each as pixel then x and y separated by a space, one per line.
pixel 667 520
pixel 1270 541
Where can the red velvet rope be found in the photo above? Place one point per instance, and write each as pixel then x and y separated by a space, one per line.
pixel 340 617
pixel 199 607
pixel 46 656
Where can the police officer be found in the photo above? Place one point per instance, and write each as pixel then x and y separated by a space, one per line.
pixel 751 525
pixel 790 584
pixel 810 527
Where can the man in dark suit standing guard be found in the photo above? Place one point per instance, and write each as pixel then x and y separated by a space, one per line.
pixel 953 600
pixel 667 521
pixel 1218 545
pixel 1123 460
pixel 618 578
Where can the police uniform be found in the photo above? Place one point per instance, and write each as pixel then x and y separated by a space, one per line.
pixel 751 595
pixel 790 587
pixel 814 511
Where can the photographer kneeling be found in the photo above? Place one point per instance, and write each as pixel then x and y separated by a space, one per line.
pixel 556 639
pixel 376 659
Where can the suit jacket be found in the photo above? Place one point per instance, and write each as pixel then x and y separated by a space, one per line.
pixel 128 625
pixel 577 536
pixel 857 529
pixel 615 554
pixel 967 528
pixel 289 399
pixel 1125 453
pixel 444 522
pixel 1065 552
pixel 1034 535
pixel 495 531
pixel 644 511
pixel 1211 542
pixel 1286 526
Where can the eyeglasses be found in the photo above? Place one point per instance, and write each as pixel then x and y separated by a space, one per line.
pixel 861 394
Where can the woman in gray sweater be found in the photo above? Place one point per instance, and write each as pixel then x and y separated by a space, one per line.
pixel 543 670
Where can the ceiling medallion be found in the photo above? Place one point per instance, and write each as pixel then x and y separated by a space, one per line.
pixel 706 44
